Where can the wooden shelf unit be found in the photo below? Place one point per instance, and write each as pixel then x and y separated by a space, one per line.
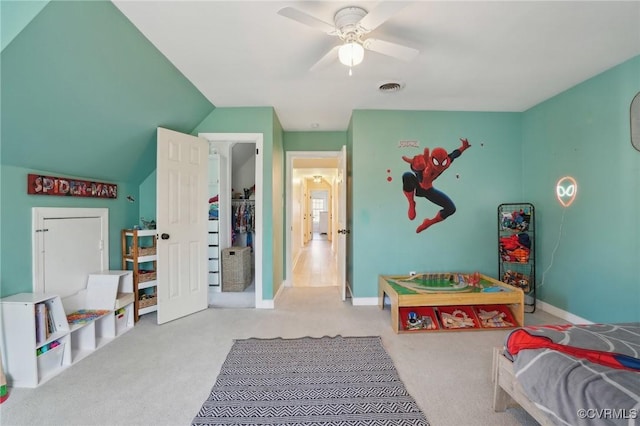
pixel 401 298
pixel 134 256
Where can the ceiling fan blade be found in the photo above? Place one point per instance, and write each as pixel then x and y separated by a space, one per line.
pixel 306 19
pixel 329 57
pixel 382 12
pixel 388 48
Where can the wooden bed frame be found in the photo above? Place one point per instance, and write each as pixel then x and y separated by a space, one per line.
pixel 507 390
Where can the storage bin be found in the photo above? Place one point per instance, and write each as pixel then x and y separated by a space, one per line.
pixel 144 276
pixel 147 300
pixel 236 268
pixel 495 316
pixel 143 251
pixel 122 318
pixel 457 317
pixel 50 361
pixel 418 318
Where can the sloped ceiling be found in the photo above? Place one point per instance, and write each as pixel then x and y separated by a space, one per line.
pixel 83 92
pixel 474 55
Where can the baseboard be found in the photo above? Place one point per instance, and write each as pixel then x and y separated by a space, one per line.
pixel 265 304
pixel 560 313
pixel 270 304
pixel 364 301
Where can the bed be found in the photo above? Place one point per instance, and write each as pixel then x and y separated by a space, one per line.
pixel 571 374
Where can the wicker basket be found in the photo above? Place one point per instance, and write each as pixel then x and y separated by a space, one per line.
pixel 143 251
pixel 148 301
pixel 144 276
pixel 236 268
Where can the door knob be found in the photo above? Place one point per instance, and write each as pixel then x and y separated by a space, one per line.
pixel 344 231
pixel 164 236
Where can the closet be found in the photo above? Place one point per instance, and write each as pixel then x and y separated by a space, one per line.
pixel 232 214
pixel 243 184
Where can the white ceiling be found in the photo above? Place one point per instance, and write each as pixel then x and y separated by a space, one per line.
pixel 474 56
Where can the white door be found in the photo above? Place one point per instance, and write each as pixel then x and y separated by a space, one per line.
pixel 343 232
pixel 182 205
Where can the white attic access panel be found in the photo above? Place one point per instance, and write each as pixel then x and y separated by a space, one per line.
pixel 68 245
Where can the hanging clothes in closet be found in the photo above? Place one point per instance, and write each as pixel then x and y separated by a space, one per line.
pixel 243 219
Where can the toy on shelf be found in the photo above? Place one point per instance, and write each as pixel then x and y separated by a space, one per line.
pixel 415 322
pixel 517 220
pixel 457 319
pixel 82 316
pixel 515 248
pixel 493 319
pixel 516 279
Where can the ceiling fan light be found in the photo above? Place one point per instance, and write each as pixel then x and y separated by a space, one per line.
pixel 351 54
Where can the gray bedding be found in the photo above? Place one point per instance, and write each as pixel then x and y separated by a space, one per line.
pixel 573 390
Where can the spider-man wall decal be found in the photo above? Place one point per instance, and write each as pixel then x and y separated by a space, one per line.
pixel 425 168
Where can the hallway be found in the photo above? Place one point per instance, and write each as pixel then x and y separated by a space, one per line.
pixel 316 266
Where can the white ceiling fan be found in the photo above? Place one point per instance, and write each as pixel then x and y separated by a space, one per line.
pixel 351 24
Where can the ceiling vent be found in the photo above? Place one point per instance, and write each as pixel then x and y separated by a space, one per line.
pixel 390 86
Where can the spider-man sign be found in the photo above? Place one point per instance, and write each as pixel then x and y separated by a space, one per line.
pixel 425 168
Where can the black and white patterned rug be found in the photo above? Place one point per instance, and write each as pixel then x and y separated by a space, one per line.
pixel 324 381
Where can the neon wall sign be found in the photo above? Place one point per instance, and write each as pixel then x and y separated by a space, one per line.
pixel 566 190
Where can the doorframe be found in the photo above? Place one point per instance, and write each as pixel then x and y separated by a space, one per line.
pixel 290 156
pixel 258 140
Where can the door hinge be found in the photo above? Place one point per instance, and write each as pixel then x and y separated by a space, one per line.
pixel 257 151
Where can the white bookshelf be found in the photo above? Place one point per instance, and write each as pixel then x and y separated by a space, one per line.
pixel 111 291
pixel 23 367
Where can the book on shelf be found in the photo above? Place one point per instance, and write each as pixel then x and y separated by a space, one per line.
pixel 51 324
pixel 41 323
pixel 45 324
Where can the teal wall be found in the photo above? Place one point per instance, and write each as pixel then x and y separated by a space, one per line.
pixel 277 179
pixel 314 141
pixel 147 198
pixel 256 120
pixel 584 132
pixel 349 177
pixel 82 93
pixel 16 205
pixel 384 240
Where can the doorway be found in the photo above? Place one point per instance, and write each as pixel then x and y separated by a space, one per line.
pixel 231 197
pixel 311 218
